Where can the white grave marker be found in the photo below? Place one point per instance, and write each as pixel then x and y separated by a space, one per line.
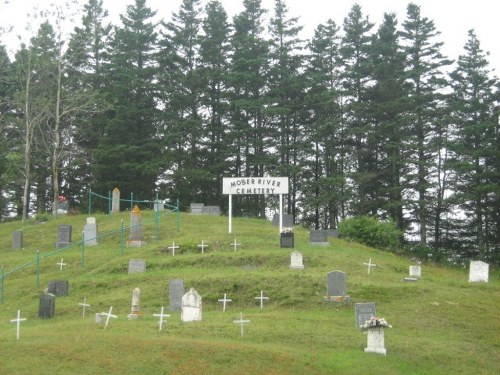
pixel 370 265
pixel 84 304
pixel 61 264
pixel 173 247
pixel 235 244
pixel 415 271
pixel 108 315
pixel 261 298
pixel 191 307
pixel 296 261
pixel 375 341
pixel 224 301
pixel 202 246
pixel 478 271
pixel 18 322
pixel 241 322
pixel 161 315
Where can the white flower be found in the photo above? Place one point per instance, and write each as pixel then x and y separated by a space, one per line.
pixel 375 323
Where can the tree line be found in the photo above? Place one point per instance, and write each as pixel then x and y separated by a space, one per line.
pixel 363 120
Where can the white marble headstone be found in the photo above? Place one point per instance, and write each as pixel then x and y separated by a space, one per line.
pixel 478 271
pixel 191 307
pixel 296 261
pixel 415 271
pixel 375 341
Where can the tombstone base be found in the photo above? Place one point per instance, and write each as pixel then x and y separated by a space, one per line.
pixel 337 299
pixel 134 315
pixel 410 279
pixel 135 243
pixel 319 243
pixel 296 267
pixel 378 351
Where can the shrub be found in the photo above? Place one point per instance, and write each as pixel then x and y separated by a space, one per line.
pixel 372 232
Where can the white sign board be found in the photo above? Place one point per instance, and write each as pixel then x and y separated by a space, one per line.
pixel 254 185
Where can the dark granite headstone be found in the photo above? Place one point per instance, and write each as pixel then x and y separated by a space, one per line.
pixel 63 235
pixel 47 305
pixel 287 220
pixel 318 237
pixel 136 266
pixel 287 240
pixel 58 287
pixel 363 312
pixel 175 293
pixel 17 240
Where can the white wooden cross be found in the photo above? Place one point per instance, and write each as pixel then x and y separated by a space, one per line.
pixel 370 265
pixel 241 322
pixel 84 304
pixel 224 300
pixel 262 298
pixel 161 315
pixel 18 321
pixel 203 245
pixel 235 244
pixel 173 247
pixel 108 315
pixel 61 264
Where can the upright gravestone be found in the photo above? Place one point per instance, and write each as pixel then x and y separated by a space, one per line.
pixel 191 308
pixel 318 237
pixel 47 305
pixel 175 293
pixel 58 287
pixel 364 312
pixel 159 205
pixel 136 305
pixel 334 233
pixel 90 232
pixel 336 287
pixel 211 210
pixel 296 261
pixel 478 271
pixel 63 235
pixel 136 266
pixel 287 239
pixel 415 271
pixel 287 220
pixel 196 208
pixel 115 202
pixel 136 238
pixel 17 240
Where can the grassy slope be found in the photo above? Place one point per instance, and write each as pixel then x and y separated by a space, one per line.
pixel 442 324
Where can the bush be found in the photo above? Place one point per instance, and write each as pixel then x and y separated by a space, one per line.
pixel 372 232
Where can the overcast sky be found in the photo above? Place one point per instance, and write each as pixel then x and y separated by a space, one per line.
pixel 453 18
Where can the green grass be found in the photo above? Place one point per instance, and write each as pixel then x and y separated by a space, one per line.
pixel 441 324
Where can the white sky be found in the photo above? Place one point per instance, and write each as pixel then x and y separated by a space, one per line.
pixel 453 18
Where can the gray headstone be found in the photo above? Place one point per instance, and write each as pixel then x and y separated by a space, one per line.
pixel 175 293
pixel 58 287
pixel 159 205
pixel 363 312
pixel 63 235
pixel 136 266
pixel 336 283
pixel 90 232
pixel 47 306
pixel 115 203
pixel 17 240
pixel 332 233
pixel 287 240
pixel 196 208
pixel 211 210
pixel 318 237
pixel 136 238
pixel 287 220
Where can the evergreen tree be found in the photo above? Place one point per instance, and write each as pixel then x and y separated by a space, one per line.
pixel 128 153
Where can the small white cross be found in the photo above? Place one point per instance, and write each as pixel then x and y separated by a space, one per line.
pixel 235 244
pixel 224 300
pixel 161 315
pixel 109 315
pixel 173 247
pixel 370 265
pixel 18 321
pixel 84 304
pixel 241 322
pixel 61 264
pixel 262 298
pixel 203 245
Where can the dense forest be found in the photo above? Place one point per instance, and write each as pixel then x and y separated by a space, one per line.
pixel 362 120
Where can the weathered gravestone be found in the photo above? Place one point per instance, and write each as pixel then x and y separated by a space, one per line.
pixel 334 233
pixel 415 271
pixel 136 238
pixel 318 237
pixel 136 305
pixel 159 205
pixel 136 266
pixel 211 210
pixel 287 220
pixel 191 309
pixel 375 341
pixel 58 287
pixel 63 235
pixel 336 287
pixel 196 208
pixel 115 202
pixel 296 261
pixel 363 312
pixel 287 240
pixel 17 240
pixel 47 305
pixel 478 271
pixel 175 293
pixel 90 232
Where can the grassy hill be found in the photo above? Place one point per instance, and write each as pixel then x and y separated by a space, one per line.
pixel 441 325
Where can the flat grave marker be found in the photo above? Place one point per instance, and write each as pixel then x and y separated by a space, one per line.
pixel 136 266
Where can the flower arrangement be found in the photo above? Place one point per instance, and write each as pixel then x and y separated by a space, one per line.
pixel 286 230
pixel 375 323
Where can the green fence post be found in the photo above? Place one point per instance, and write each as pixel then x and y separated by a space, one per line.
pixel 110 202
pixel 157 218
pixel 121 238
pixel 82 261
pixel 1 285
pixel 177 216
pixel 38 268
